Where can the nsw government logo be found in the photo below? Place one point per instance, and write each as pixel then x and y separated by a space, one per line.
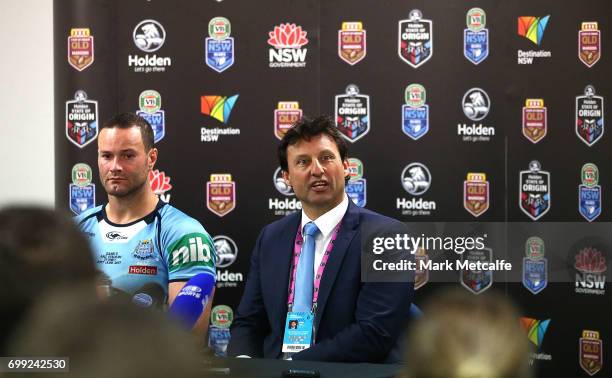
pixel 149 36
pixel 356 187
pixel 535 265
pixel 415 39
pixel 476 106
pixel 589 116
pixel 219 108
pixel 532 28
pixel 535 120
pixel 352 111
pixel 149 103
pixel 219 46
pixel 227 252
pixel 289 204
pixel 81 119
pixel 534 191
pixel 221 194
pixel 82 193
pixel 160 184
pixel 476 194
pixel 589 193
pixel 476 36
pixel 590 265
pixel 80 48
pixel 286 115
pixel 589 43
pixel 352 42
pixel 287 41
pixel 415 113
pixel 415 180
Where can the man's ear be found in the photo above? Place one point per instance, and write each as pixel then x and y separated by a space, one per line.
pixel 152 158
pixel 286 177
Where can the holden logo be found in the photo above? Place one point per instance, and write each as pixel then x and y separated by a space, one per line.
pixel 160 184
pixel 227 251
pixel 281 185
pixel 114 235
pixel 476 104
pixel 416 179
pixel 287 40
pixel 149 35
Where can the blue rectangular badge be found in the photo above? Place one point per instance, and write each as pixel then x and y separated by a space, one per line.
pixel 298 332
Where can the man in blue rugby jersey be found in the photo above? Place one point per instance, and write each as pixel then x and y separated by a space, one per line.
pixel 144 247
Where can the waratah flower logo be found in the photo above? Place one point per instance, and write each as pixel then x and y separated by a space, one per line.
pixel 287 36
pixel 160 184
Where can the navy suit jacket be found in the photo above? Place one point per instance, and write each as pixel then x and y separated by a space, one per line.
pixel 355 321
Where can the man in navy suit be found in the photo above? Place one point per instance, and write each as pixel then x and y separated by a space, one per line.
pixel 354 321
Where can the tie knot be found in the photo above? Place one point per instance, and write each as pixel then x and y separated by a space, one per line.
pixel 310 229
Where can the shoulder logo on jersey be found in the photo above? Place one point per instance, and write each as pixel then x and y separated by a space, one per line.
pixel 194 249
pixel 219 45
pixel 476 36
pixel 534 198
pixel 356 187
pixel 81 119
pixel 476 193
pixel 80 48
pixel 477 281
pixel 352 112
pixel 589 116
pixel 591 352
pixel 415 41
pixel 352 42
pixel 227 251
pixel 286 115
pixel 149 102
pixel 535 120
pixel 535 265
pixel 82 193
pixel 589 43
pixel 221 194
pixel 589 192
pixel 415 113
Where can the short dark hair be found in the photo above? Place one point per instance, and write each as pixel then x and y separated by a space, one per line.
pixel 306 128
pixel 127 120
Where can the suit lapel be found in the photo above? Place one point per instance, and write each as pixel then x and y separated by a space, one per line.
pixel 348 229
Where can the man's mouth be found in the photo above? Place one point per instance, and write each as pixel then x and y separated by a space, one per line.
pixel 319 185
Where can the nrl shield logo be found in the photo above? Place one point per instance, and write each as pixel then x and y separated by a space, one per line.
pixel 356 191
pixel 477 281
pixel 421 275
pixel 534 199
pixel 82 193
pixel 81 119
pixel 591 352
pixel 415 114
pixel 285 116
pixel 534 120
pixel 476 194
pixel 352 42
pixel 352 114
pixel 535 265
pixel 221 194
pixel 149 102
pixel 589 116
pixel 589 43
pixel 415 45
pixel 589 193
pixel 80 48
pixel 219 46
pixel 476 36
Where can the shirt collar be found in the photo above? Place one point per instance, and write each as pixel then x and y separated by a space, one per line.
pixel 328 221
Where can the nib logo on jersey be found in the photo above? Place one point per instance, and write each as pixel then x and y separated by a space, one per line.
pixel 289 204
pixel 287 41
pixel 149 103
pixel 476 36
pixel 532 28
pixel 476 106
pixel 190 250
pixel 590 265
pixel 352 111
pixel 534 191
pixel 82 193
pixel 589 116
pixel 535 120
pixel 415 113
pixel 149 36
pixel 589 192
pixel 536 329
pixel 356 187
pixel 81 119
pixel 416 180
pixel 535 265
pixel 415 45
pixel 80 48
pixel 219 45
pixel 160 184
pixel 589 43
pixel 227 252
pixel 352 42
pixel 219 108
pixel 285 115
pixel 221 194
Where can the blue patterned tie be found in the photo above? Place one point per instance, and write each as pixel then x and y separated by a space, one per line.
pixel 305 270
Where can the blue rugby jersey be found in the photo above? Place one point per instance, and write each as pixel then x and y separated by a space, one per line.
pixel 164 246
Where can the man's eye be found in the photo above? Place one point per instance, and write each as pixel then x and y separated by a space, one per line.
pixel 328 157
pixel 301 162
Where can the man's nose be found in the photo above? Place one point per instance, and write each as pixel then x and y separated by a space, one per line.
pixel 317 169
pixel 115 165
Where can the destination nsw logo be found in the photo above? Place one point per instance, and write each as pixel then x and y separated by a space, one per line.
pixel 219 108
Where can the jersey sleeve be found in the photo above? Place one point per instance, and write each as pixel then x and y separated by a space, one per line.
pixel 187 248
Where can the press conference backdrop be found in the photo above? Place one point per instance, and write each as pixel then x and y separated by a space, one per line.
pixel 455 111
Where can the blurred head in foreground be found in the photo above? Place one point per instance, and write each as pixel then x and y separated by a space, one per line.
pixel 461 335
pixel 40 249
pixel 111 338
